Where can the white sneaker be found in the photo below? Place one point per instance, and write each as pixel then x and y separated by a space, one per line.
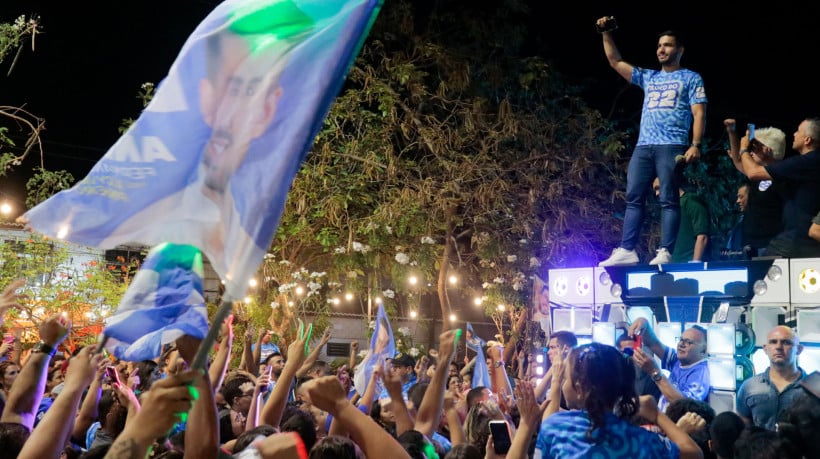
pixel 620 256
pixel 663 256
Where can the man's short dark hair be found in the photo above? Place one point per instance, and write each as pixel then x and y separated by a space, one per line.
pixel 414 443
pixel 416 394
pixel 473 395
pixel 673 33
pixel 13 436
pixel 249 436
pixel 681 406
pixel 232 387
pixel 757 441
pixel 723 433
pixel 335 447
pixel 304 424
pixel 565 337
pixel 272 355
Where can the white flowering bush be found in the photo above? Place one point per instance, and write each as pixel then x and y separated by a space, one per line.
pixel 405 342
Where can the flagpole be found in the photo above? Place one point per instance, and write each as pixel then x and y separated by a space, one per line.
pixel 205 346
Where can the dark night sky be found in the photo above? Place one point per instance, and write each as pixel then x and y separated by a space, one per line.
pixel 92 58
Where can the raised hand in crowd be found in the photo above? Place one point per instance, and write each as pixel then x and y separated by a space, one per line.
pixel 557 373
pixel 691 423
pixel 259 390
pixel 248 363
pixel 9 298
pixel 429 413
pixel 311 359
pixel 52 433
pixel 530 419
pixel 219 366
pixel 354 350
pixel 393 385
pixel 89 409
pixel 286 445
pixel 649 411
pixel 167 402
pixel 327 394
pixel 454 425
pixel 277 400
pixel 27 390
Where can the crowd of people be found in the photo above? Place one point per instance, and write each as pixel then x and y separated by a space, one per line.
pixel 637 399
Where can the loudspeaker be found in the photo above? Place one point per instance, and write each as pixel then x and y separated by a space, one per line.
pixel 774 287
pixel 805 281
pixel 573 286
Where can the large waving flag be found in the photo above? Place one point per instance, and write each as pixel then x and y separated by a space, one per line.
pixel 211 159
pixel 163 302
pixel 473 341
pixel 382 346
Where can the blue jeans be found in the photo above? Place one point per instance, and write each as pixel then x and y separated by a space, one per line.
pixel 648 162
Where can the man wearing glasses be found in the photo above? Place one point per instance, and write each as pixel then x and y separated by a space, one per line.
pixel 762 397
pixel 687 365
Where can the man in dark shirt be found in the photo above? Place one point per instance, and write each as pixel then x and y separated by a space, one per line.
pixel 762 212
pixel 800 176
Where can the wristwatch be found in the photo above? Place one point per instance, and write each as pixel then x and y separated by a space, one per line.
pixel 498 364
pixel 657 375
pixel 44 348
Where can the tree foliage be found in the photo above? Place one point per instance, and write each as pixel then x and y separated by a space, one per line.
pixel 444 157
pixel 58 283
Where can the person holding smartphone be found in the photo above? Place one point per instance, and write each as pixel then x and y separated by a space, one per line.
pixel 762 207
pixel 801 175
pixel 674 104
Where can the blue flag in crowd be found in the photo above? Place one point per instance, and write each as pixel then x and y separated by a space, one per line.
pixel 211 159
pixel 382 346
pixel 163 302
pixel 481 374
pixel 473 341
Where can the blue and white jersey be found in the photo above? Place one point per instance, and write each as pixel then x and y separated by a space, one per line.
pixel 666 116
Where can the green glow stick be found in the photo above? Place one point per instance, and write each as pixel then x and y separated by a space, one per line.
pixel 307 341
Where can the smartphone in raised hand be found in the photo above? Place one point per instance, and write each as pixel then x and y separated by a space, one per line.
pixel 501 436
pixel 113 375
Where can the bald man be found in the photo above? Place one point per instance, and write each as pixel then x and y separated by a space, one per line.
pixel 762 397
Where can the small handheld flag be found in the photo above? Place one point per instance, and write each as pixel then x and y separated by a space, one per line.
pixel 164 302
pixel 382 346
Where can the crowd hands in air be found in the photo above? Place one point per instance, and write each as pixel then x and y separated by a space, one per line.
pixel 588 401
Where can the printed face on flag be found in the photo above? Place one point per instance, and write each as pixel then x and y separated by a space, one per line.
pixel 238 101
pixel 473 341
pixel 212 157
pixel 382 337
